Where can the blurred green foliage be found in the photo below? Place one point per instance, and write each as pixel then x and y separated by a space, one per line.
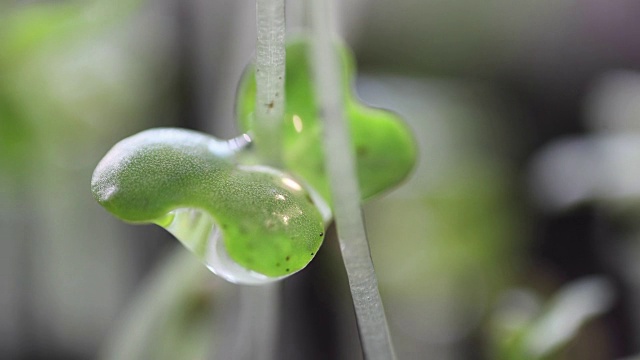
pixel 37 42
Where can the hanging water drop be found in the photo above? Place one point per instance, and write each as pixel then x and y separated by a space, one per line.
pixel 198 232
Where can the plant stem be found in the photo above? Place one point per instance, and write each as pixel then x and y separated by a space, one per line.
pixel 270 78
pixel 259 314
pixel 340 164
pixel 259 308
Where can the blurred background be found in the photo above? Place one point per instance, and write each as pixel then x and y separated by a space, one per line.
pixel 516 237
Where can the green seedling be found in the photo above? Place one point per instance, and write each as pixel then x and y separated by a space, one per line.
pixel 251 224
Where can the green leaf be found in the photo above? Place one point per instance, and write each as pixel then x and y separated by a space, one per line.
pixel 384 146
pixel 269 223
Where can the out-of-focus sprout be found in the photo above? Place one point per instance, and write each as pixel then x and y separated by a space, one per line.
pixel 526 330
pixel 603 166
pixel 592 168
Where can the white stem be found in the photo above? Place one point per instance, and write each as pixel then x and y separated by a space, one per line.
pixel 259 306
pixel 340 164
pixel 270 78
pixel 258 324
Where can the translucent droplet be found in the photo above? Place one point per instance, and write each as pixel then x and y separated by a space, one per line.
pixel 199 233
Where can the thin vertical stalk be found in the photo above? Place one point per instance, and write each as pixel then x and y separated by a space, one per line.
pixel 340 164
pixel 270 78
pixel 260 306
pixel 258 325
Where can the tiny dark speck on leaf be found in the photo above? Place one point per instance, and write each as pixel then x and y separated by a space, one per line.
pixel 288 269
pixel 312 254
pixel 287 258
pixel 321 234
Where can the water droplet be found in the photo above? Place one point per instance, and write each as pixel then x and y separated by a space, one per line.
pixel 198 232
